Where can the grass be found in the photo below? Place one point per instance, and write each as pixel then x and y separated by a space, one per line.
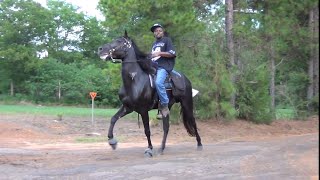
pixel 285 114
pixel 91 139
pixel 97 139
pixel 55 110
pixel 61 111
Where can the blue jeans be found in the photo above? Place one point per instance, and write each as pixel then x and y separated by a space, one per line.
pixel 161 89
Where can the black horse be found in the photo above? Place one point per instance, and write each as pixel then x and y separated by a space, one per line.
pixel 137 93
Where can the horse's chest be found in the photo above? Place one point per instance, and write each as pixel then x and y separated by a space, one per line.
pixel 138 91
pixel 138 95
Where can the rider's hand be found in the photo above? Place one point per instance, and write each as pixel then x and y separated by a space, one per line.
pixel 156 54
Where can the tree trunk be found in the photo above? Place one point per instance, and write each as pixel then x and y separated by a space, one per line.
pixel 272 79
pixel 311 59
pixel 11 88
pixel 313 64
pixel 230 44
pixel 316 51
pixel 59 91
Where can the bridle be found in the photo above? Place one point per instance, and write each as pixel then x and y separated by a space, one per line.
pixel 127 45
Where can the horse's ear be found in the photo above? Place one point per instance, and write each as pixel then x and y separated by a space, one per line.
pixel 125 34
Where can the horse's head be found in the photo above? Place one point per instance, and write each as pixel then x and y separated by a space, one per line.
pixel 117 49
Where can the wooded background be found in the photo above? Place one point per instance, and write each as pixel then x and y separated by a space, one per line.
pixel 247 58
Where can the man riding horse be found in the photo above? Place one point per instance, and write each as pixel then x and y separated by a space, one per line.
pixel 137 93
pixel 163 56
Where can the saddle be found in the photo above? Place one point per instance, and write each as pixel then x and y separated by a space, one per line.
pixel 178 84
pixel 174 82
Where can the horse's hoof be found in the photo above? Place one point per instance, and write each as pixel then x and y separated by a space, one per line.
pixel 160 151
pixel 200 148
pixel 148 153
pixel 113 143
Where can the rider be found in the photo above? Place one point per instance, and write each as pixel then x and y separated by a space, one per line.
pixel 163 54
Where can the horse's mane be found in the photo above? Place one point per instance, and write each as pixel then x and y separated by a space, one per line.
pixel 144 60
pixel 139 53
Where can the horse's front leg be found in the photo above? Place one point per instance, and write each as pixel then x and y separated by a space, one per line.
pixel 166 125
pixel 145 119
pixel 121 112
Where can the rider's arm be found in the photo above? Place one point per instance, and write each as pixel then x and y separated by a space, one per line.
pixel 168 52
pixel 163 54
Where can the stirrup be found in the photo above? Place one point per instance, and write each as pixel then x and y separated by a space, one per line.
pixel 159 116
pixel 165 111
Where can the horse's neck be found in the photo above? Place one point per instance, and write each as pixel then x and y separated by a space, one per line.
pixel 130 63
pixel 131 69
pixel 132 73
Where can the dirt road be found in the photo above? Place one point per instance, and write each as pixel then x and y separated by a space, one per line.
pixel 33 147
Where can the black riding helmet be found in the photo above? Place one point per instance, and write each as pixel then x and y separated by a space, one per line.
pixel 155 26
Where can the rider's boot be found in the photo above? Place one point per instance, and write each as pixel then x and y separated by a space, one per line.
pixel 164 110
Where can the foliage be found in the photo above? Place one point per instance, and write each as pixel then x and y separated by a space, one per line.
pixel 93 36
pixel 43 50
pixel 291 31
pixel 18 40
pixel 65 31
pixel 75 81
pixel 285 113
pixel 28 28
pixel 203 63
pixel 253 96
pixel 137 16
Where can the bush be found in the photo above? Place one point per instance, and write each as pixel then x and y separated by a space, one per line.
pixel 253 98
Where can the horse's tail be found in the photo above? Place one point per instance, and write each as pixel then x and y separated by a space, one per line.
pixel 187 110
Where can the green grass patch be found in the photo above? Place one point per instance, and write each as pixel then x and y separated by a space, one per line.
pixel 98 139
pixel 285 114
pixel 91 139
pixel 55 110
pixel 63 111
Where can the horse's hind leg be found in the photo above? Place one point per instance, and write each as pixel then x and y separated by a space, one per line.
pixel 199 145
pixel 121 112
pixel 166 126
